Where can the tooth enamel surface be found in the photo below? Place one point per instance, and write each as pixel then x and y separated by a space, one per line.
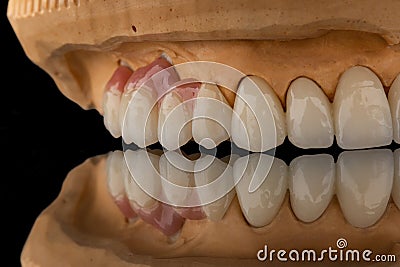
pixel 396 182
pixel 361 111
pixel 141 118
pixel 311 185
pixel 111 105
pixel 364 184
pixel 210 170
pixel 260 206
pixel 115 178
pixel 211 117
pixel 141 177
pixel 174 122
pixel 394 103
pixel 256 127
pixel 309 115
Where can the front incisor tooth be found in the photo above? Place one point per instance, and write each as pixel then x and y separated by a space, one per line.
pixel 364 184
pixel 396 182
pixel 394 103
pixel 258 123
pixel 260 206
pixel 311 185
pixel 212 116
pixel 361 111
pixel 309 115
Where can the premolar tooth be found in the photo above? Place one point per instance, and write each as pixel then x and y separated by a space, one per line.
pixel 218 177
pixel 212 116
pixel 174 122
pixel 309 115
pixel 258 123
pixel 311 185
pixel 396 182
pixel 394 103
pixel 361 110
pixel 364 184
pixel 260 206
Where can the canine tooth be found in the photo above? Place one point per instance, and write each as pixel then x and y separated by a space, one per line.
pixel 260 206
pixel 141 118
pixel 174 122
pixel 214 181
pixel 112 99
pixel 258 123
pixel 141 177
pixel 364 184
pixel 394 103
pixel 361 111
pixel 309 115
pixel 212 116
pixel 311 185
pixel 396 182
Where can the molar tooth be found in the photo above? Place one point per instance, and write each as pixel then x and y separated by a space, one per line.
pixel 361 110
pixel 218 177
pixel 174 122
pixel 311 185
pixel 260 206
pixel 212 116
pixel 364 184
pixel 309 115
pixel 258 123
pixel 396 182
pixel 394 103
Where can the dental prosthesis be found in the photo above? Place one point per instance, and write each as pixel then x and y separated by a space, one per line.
pixel 259 81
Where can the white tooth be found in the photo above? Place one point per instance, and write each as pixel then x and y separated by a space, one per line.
pixel 141 118
pixel 142 180
pixel 394 103
pixel 309 115
pixel 176 170
pixel 361 111
pixel 396 182
pixel 211 117
pixel 214 181
pixel 364 183
pixel 111 106
pixel 311 185
pixel 115 179
pixel 258 123
pixel 260 206
pixel 174 122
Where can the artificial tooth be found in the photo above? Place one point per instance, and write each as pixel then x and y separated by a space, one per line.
pixel 394 103
pixel 112 99
pixel 258 123
pixel 174 121
pixel 139 122
pixel 214 186
pixel 364 184
pixel 361 111
pixel 269 174
pixel 212 116
pixel 142 179
pixel 396 182
pixel 311 185
pixel 309 115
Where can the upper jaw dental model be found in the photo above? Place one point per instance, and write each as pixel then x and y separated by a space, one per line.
pixel 268 91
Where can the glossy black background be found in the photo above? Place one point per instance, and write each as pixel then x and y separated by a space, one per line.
pixel 43 135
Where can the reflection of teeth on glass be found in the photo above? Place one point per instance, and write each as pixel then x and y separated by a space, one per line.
pixel 309 115
pixel 215 173
pixel 396 182
pixel 211 116
pixel 364 184
pixel 262 205
pixel 115 182
pixel 361 110
pixel 256 127
pixel 112 98
pixel 394 103
pixel 311 185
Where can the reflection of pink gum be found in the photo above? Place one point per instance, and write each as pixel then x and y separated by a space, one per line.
pixel 119 79
pixel 123 204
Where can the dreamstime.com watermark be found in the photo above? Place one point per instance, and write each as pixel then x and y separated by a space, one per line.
pixel 340 253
